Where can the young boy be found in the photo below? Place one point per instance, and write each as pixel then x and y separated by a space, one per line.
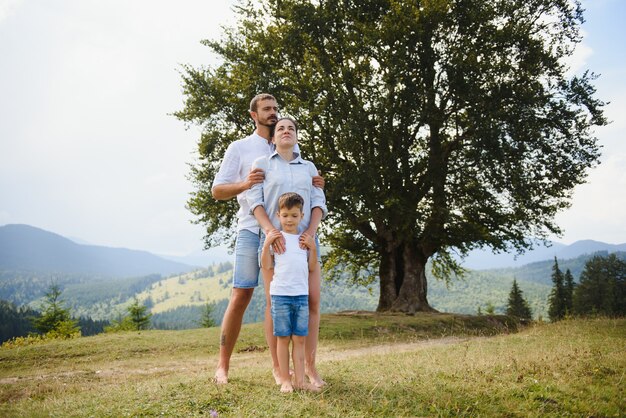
pixel 289 289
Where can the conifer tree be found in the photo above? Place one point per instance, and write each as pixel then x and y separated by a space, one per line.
pixel 568 291
pixel 556 308
pixel 55 318
pixel 207 320
pixel 138 315
pixel 518 306
pixel 602 287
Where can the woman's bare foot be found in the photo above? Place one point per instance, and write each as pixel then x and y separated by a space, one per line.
pixel 309 387
pixel 221 377
pixel 314 377
pixel 286 387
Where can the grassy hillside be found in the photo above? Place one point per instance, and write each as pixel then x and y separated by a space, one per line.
pixel 195 288
pixel 375 365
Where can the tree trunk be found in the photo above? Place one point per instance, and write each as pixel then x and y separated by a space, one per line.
pixel 403 286
pixel 391 274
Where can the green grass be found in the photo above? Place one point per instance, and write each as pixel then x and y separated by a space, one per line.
pixel 376 365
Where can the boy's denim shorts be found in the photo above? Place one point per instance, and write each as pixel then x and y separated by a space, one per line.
pixel 290 315
pixel 317 247
pixel 246 271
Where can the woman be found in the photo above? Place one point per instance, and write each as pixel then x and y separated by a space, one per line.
pixel 285 171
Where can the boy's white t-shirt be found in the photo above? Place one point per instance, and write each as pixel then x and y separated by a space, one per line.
pixel 291 269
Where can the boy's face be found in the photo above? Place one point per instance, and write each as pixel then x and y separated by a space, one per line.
pixel 290 219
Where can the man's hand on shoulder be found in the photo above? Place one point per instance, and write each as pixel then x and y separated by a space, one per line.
pixel 318 181
pixel 255 176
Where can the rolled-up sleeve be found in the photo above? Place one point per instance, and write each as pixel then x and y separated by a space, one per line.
pixel 254 196
pixel 229 169
pixel 318 198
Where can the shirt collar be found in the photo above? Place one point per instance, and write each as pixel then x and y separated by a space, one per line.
pixel 258 137
pixel 296 160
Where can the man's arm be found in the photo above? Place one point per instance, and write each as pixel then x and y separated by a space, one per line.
pixel 230 190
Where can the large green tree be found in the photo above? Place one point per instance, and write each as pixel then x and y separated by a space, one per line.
pixel 439 125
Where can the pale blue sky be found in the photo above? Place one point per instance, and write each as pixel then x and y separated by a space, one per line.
pixel 88 150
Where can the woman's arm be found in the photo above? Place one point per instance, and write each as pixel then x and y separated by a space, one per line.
pixel 267 259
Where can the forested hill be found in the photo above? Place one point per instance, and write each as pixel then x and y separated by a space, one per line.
pixel 26 248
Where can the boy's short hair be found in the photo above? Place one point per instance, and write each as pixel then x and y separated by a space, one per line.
pixel 256 99
pixel 290 200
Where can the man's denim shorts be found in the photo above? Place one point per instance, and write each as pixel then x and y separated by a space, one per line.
pixel 246 271
pixel 317 247
pixel 290 315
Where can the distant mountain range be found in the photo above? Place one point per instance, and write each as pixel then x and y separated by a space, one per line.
pixel 485 259
pixel 26 248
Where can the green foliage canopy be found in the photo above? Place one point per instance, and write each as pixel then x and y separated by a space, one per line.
pixel 437 124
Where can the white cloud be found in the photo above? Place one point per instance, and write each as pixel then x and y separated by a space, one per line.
pixel 7 8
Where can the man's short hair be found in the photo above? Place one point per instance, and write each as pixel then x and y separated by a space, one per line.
pixel 290 200
pixel 256 99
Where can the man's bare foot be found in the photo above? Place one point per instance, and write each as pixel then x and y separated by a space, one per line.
pixel 315 378
pixel 309 387
pixel 286 387
pixel 221 377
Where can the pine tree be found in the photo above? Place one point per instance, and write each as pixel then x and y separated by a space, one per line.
pixel 207 320
pixel 518 306
pixel 568 292
pixel 602 287
pixel 54 317
pixel 138 315
pixel 556 308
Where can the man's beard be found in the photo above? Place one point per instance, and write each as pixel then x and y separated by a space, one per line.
pixel 270 123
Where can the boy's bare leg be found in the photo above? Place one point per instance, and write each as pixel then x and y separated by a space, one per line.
pixel 315 278
pixel 298 365
pixel 268 325
pixel 231 325
pixel 282 350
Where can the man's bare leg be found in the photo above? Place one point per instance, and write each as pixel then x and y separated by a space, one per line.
pixel 268 325
pixel 315 278
pixel 231 325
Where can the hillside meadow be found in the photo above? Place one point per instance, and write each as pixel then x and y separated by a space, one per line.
pixel 375 365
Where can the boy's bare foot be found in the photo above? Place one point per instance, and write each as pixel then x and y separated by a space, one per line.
pixel 309 387
pixel 286 387
pixel 276 374
pixel 221 377
pixel 315 378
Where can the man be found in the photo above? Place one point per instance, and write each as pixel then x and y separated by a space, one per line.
pixel 234 179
